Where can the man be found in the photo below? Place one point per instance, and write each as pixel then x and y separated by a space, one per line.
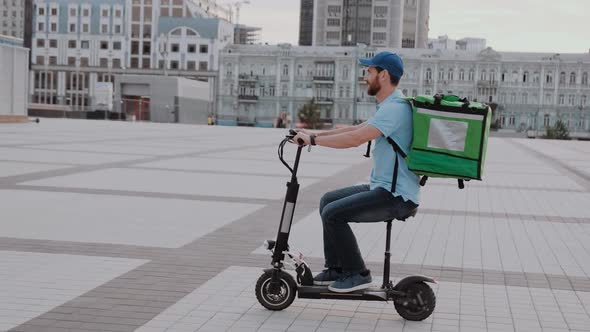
pixel 379 200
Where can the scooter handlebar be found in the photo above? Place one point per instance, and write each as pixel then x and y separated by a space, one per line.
pixel 293 133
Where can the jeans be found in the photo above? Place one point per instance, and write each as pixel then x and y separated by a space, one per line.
pixel 355 204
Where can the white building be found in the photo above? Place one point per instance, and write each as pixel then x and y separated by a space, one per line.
pixel 258 82
pixel 473 45
pixel 77 43
pixel 13 85
pixel 12 18
pixel 383 23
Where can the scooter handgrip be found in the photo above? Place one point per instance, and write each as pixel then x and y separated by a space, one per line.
pixel 292 132
pixel 300 141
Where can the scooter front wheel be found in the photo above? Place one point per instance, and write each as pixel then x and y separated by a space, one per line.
pixel 418 303
pixel 276 295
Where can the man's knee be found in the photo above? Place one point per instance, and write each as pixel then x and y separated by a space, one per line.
pixel 329 213
pixel 325 200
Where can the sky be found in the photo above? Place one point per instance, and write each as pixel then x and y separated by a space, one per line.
pixel 560 26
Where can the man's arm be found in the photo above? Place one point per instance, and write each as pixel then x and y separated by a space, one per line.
pixel 350 138
pixel 341 130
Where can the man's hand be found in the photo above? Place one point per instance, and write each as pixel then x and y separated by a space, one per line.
pixel 303 136
pixel 302 130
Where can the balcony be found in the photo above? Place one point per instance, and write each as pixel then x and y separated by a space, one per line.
pixel 323 79
pixel 323 100
pixel 247 99
pixel 247 78
pixel 487 84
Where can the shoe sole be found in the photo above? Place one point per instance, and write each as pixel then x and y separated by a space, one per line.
pixel 348 290
pixel 322 283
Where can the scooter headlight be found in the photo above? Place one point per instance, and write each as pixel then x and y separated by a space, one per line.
pixel 269 244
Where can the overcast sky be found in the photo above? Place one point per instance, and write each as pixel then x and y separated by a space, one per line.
pixel 561 26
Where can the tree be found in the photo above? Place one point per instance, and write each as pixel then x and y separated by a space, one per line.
pixel 559 131
pixel 309 114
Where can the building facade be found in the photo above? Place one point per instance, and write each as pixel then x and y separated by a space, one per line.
pixel 12 18
pixel 306 23
pixel 78 43
pixel 244 34
pixel 258 83
pixel 380 23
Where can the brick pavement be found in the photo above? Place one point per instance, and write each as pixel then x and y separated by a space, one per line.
pixel 111 226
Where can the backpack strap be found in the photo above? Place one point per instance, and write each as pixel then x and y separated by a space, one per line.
pixel 396 150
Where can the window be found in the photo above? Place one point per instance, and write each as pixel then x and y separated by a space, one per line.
pixel 72 11
pixel 83 62
pixel 441 74
pixel 450 75
pixel 41 12
pixel 104 45
pixel 175 48
pixel 191 65
pixel 203 65
pixel 116 45
pixel 583 100
pixel 173 64
pixel 104 28
pixel 53 27
pixel 85 12
pixel 525 98
pixel 333 35
pixel 145 63
pixel 53 11
pixel 483 75
pixel 53 60
pixel 134 63
pixel 40 42
pixel 146 48
pixel 548 99
pixel 40 26
pixel 71 44
pixel 85 27
pixel 334 10
pixel 461 75
pixel 40 60
pixel 191 48
pixel 333 22
pixel 116 63
pixel 345 72
pixel 525 77
pixel 71 61
pixel 53 43
pixel 573 78
pixel 117 28
pixel 117 12
pixel 105 12
pixel 562 78
pixel 471 75
pixel 380 11
pixel 285 70
pixel 380 23
pixel 571 100
pixel 73 27
pixel 379 36
pixel 585 79
pixel 84 44
pixel 103 62
pixel 549 77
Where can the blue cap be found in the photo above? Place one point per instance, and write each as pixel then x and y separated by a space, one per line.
pixel 388 61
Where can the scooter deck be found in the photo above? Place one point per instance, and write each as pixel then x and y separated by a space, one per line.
pixel 322 292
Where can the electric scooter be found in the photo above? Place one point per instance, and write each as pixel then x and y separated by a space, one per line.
pixel 276 289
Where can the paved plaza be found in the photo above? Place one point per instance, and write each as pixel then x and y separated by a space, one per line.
pixel 119 226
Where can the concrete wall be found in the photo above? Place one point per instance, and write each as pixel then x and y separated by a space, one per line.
pixel 13 80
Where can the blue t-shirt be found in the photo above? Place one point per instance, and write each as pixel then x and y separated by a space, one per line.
pixel 394 119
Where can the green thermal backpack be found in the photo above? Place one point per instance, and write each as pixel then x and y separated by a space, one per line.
pixel 450 138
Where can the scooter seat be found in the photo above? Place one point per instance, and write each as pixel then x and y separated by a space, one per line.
pixel 412 213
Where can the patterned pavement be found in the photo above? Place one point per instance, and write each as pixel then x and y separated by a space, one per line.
pixel 110 226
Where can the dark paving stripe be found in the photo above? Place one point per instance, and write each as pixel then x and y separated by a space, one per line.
pixel 492 186
pixel 111 192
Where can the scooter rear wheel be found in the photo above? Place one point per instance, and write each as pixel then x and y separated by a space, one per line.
pixel 418 303
pixel 276 297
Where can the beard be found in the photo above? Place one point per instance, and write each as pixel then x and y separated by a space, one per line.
pixel 373 88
